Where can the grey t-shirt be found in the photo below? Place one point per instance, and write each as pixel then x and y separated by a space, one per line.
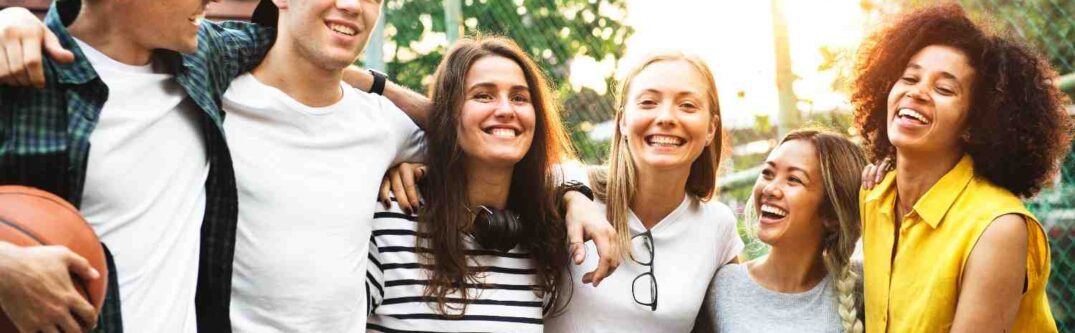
pixel 736 303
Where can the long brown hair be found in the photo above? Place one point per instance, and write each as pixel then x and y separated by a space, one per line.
pixel 616 184
pixel 445 219
pixel 840 163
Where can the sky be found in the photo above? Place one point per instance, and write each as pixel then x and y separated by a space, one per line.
pixel 736 39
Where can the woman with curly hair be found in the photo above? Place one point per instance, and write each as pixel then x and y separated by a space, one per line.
pixel 974 124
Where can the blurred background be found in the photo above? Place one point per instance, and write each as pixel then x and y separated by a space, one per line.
pixel 779 65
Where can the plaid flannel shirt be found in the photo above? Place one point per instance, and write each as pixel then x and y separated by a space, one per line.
pixel 45 141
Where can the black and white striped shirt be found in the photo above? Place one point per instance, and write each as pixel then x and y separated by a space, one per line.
pixel 503 301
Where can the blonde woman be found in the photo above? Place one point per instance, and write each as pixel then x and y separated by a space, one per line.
pixel 805 208
pixel 656 191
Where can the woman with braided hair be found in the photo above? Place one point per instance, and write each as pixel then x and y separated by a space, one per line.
pixel 805 208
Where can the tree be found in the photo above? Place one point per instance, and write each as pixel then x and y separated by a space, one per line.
pixel 553 32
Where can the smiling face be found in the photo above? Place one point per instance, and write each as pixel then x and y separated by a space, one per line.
pixel 788 195
pixel 331 33
pixel 497 120
pixel 175 23
pixel 929 104
pixel 666 118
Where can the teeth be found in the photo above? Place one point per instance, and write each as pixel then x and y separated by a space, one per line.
pixel 773 210
pixel 665 140
pixel 913 114
pixel 503 132
pixel 341 29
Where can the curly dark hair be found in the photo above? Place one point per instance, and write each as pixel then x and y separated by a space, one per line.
pixel 1017 126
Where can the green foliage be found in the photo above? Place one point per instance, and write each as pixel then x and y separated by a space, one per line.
pixel 552 31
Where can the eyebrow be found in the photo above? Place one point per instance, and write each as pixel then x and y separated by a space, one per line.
pixel 677 95
pixel 943 73
pixel 793 168
pixel 490 85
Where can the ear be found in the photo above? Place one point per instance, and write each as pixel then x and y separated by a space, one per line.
pixel 712 132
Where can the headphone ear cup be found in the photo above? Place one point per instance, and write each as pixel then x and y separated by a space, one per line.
pixel 496 229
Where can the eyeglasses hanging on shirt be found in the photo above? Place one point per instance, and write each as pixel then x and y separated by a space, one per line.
pixel 642 252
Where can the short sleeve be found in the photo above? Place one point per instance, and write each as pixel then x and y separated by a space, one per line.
pixel 731 245
pixel 407 137
pixel 571 171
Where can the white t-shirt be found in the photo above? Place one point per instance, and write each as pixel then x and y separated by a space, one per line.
pixel 502 299
pixel 307 181
pixel 145 192
pixel 689 245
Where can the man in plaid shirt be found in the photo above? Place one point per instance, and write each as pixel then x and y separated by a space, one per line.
pixel 45 142
pixel 46 134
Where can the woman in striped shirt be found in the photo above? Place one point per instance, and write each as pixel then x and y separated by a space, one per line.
pixel 487 251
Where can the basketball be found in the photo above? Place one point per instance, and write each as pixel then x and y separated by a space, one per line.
pixel 32 217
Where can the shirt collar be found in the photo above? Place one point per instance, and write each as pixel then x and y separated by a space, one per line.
pixel 932 206
pixel 61 14
pixel 939 199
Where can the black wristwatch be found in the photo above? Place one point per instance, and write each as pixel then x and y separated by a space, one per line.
pixel 379 79
pixel 577 187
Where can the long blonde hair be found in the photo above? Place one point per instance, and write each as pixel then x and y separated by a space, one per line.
pixel 840 163
pixel 616 183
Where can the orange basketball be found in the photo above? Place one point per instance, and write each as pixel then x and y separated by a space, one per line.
pixel 32 217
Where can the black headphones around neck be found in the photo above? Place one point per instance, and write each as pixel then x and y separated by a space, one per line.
pixel 496 229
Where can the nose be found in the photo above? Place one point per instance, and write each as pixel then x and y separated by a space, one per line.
pixel 771 190
pixel 918 91
pixel 504 109
pixel 665 115
pixel 351 6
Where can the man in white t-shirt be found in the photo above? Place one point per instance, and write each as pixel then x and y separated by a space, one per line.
pixel 309 154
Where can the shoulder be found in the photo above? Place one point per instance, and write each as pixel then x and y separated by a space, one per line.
pixel 714 214
pixel 730 274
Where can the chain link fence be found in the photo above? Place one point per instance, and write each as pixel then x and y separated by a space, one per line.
pixel 558 33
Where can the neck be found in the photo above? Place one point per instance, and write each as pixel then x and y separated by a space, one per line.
pixel 299 77
pixel 789 269
pixel 488 186
pixel 97 26
pixel 659 193
pixel 916 174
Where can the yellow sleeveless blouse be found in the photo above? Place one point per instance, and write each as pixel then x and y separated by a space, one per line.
pixel 917 291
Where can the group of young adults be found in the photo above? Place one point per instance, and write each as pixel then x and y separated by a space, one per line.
pixel 232 172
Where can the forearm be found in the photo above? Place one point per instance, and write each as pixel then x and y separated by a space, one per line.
pixel 415 105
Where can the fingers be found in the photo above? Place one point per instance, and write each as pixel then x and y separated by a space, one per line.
pixel 16 68
pixel 867 176
pixel 574 236
pixel 80 266
pixel 55 50
pixel 83 312
pixel 6 76
pixel 31 58
pixel 408 173
pixel 608 258
pixel 68 323
pixel 882 169
pixel 400 192
pixel 382 195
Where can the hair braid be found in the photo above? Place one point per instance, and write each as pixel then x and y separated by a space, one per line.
pixel 847 301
